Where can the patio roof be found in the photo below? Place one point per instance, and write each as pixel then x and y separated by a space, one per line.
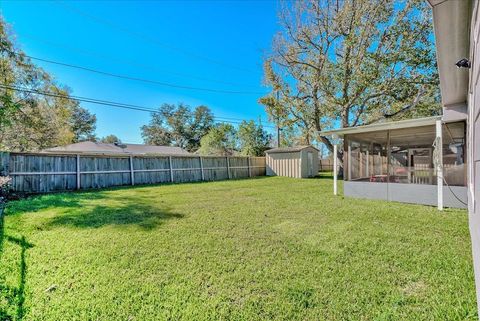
pixel 408 123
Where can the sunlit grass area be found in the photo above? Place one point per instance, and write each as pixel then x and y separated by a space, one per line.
pixel 258 249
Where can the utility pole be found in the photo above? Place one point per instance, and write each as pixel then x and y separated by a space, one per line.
pixel 278 120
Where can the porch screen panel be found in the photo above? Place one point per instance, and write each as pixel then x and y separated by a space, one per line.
pixel 411 156
pixel 454 165
pixel 367 157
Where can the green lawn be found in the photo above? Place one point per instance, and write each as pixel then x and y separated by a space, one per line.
pixel 266 248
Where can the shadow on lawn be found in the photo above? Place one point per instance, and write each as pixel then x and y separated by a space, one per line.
pixel 127 211
pixel 14 296
pixel 41 202
pixel 81 210
pixel 96 209
pixel 326 175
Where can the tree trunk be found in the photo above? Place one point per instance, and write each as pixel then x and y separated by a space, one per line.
pixel 344 117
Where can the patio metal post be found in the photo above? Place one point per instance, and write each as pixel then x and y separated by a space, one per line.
pixel 389 163
pixel 439 163
pixel 335 169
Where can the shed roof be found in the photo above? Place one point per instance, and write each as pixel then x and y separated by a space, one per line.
pixel 103 148
pixel 289 149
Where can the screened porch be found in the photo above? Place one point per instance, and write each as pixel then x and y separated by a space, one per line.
pixel 406 155
pixel 414 161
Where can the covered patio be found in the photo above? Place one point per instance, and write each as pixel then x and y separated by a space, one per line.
pixel 414 161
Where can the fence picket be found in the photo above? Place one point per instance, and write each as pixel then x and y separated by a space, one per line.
pixel 171 168
pixel 132 173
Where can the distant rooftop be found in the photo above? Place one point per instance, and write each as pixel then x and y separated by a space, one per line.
pixel 103 148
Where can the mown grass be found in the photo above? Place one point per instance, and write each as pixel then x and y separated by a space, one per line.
pixel 267 248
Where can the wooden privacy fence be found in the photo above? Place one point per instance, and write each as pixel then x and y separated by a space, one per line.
pixel 326 165
pixel 41 173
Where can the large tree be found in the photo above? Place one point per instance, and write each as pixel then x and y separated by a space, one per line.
pixel 351 62
pixel 35 112
pixel 110 139
pixel 220 140
pixel 253 139
pixel 37 124
pixel 178 125
pixel 83 123
pixel 16 70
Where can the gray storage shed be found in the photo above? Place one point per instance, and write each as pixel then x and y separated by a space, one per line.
pixel 298 162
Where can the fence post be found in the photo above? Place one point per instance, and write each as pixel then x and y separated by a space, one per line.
pixel 78 171
pixel 171 168
pixel 228 166
pixel 201 168
pixel 132 174
pixel 249 167
pixel 4 163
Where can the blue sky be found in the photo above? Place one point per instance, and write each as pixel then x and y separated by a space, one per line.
pixel 208 44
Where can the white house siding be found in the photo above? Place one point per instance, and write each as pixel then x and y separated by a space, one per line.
pixel 474 143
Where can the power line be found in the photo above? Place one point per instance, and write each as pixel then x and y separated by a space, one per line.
pixel 229 118
pixel 155 82
pixel 108 103
pixel 147 38
pixel 130 62
pixel 104 102
pixel 96 71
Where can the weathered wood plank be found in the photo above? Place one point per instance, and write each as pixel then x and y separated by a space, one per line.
pixel 4 163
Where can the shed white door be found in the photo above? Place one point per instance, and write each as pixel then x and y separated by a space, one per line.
pixel 310 164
